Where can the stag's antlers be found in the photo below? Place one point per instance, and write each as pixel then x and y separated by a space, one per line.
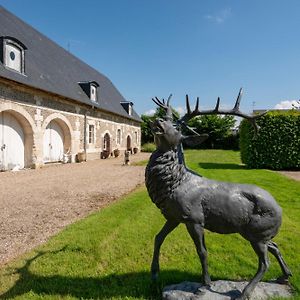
pixel 165 106
pixel 235 111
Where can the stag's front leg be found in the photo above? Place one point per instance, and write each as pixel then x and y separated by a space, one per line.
pixel 196 232
pixel 159 239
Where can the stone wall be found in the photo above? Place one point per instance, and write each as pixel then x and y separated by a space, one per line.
pixel 35 109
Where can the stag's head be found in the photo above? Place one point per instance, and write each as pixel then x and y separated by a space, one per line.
pixel 167 130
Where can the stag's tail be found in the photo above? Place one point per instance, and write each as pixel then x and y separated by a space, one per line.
pixel 265 219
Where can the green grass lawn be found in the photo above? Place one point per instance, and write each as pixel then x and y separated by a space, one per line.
pixel 108 254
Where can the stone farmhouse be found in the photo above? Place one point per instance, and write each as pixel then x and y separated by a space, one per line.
pixel 53 106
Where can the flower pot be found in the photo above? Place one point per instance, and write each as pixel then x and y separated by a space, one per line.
pixel 105 154
pixel 81 156
pixel 116 152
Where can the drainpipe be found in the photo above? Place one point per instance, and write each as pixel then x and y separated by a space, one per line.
pixel 84 136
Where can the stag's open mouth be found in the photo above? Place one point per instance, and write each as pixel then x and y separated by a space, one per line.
pixel 157 129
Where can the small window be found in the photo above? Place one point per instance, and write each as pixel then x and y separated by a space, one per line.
pixel 91 134
pixel 93 93
pixel 119 136
pixel 127 106
pixel 130 109
pixel 13 54
pixel 90 88
pixel 13 57
pixel 136 137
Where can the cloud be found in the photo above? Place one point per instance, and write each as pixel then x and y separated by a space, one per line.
pixel 181 110
pixel 149 112
pixel 287 104
pixel 220 16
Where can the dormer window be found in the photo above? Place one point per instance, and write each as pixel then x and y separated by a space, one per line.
pixel 13 54
pixel 127 106
pixel 91 89
pixel 93 92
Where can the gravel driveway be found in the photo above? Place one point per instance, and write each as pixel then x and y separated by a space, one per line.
pixel 36 204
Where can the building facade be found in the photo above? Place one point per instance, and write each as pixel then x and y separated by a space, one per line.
pixel 54 107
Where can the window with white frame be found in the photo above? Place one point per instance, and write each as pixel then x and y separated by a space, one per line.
pixel 119 136
pixel 13 54
pixel 93 92
pixel 91 134
pixel 130 109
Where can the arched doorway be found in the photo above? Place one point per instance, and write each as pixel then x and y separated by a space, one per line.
pixel 106 143
pixel 57 138
pixel 129 143
pixel 12 142
pixel 53 143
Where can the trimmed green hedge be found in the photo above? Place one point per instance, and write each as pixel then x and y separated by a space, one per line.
pixel 148 147
pixel 277 146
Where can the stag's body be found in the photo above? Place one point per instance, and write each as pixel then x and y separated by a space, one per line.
pixel 186 197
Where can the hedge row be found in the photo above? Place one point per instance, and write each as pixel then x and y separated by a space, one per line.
pixel 230 142
pixel 277 145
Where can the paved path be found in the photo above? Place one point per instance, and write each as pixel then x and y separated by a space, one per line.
pixel 36 204
pixel 292 174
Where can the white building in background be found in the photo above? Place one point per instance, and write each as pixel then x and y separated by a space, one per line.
pixel 53 106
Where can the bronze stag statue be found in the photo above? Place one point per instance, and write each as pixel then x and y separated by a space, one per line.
pixel 186 197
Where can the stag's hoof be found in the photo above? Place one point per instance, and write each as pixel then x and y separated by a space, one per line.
pixel 201 291
pixel 207 281
pixel 284 279
pixel 240 297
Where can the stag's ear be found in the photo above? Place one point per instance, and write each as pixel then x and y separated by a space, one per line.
pixel 194 140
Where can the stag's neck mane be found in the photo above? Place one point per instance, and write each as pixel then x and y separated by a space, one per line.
pixel 166 157
pixel 165 171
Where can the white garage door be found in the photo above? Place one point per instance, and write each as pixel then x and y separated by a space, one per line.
pixel 53 143
pixel 11 142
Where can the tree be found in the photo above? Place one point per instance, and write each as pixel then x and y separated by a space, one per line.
pixel 147 136
pixel 217 127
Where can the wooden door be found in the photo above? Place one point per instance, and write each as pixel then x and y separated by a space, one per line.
pixel 106 143
pixel 53 143
pixel 11 142
pixel 128 143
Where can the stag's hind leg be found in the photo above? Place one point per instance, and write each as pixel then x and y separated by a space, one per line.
pixel 261 250
pixel 159 239
pixel 196 232
pixel 273 248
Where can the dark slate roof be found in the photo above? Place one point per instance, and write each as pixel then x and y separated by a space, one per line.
pixel 51 68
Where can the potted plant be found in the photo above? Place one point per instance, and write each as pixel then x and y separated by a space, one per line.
pixel 105 154
pixel 116 152
pixel 81 156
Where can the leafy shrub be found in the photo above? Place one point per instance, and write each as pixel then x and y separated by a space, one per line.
pixel 218 129
pixel 148 147
pixel 231 142
pixel 277 146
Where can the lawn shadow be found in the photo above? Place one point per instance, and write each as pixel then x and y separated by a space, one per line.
pixel 223 166
pixel 132 284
